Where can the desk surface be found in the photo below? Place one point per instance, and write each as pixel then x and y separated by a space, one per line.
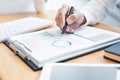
pixel 13 68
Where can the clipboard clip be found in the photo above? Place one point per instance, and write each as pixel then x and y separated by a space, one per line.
pixel 21 50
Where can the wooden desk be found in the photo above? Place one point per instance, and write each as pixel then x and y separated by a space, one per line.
pixel 13 68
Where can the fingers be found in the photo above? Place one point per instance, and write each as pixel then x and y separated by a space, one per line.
pixel 77 17
pixel 69 30
pixel 71 27
pixel 71 19
pixel 61 16
pixel 74 21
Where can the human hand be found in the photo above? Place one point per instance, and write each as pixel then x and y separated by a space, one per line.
pixel 74 20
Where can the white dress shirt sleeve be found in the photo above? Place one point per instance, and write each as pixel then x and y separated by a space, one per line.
pixel 96 10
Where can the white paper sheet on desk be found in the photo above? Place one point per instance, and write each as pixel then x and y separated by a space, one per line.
pixel 23 25
pixel 49 45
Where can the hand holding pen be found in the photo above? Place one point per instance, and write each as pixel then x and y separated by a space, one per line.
pixel 66 24
pixel 72 20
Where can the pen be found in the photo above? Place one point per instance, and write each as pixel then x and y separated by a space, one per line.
pixel 69 13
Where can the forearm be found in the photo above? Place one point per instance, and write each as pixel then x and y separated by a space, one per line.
pixel 96 10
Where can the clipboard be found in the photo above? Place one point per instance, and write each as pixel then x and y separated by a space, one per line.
pixel 41 47
pixel 22 56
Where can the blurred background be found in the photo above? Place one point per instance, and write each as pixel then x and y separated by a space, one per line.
pixel 25 6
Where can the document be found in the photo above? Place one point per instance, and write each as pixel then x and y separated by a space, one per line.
pixel 51 46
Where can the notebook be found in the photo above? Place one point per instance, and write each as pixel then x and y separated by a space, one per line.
pixel 22 25
pixel 38 48
pixel 73 71
pixel 113 52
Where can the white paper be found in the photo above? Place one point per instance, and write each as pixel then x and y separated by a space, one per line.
pixel 49 45
pixel 23 25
